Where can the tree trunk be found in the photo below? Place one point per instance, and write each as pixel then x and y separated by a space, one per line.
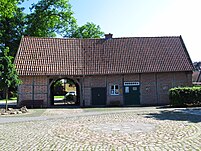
pixel 6 99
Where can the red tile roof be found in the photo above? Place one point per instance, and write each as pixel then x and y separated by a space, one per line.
pixel 57 56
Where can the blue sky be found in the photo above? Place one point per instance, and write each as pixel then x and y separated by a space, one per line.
pixel 138 18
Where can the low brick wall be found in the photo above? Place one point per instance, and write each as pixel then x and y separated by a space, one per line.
pixel 31 103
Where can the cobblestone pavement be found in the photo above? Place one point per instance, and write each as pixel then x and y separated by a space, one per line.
pixel 113 129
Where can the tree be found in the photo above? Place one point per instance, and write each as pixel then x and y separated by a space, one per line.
pixel 197 66
pixel 11 24
pixel 50 18
pixel 8 74
pixel 11 30
pixel 7 7
pixel 89 30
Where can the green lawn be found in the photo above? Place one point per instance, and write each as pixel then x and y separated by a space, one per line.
pixel 15 98
pixel 59 97
pixel 10 99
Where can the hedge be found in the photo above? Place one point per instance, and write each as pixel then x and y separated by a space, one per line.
pixel 184 96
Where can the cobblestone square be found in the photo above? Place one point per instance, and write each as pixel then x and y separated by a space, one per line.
pixel 126 129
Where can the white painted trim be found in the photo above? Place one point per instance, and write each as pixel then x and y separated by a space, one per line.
pixel 131 83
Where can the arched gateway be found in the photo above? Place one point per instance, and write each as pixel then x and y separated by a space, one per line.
pixel 108 71
pixel 64 101
pixel 38 91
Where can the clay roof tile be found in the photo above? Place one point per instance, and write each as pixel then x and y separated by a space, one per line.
pixel 57 56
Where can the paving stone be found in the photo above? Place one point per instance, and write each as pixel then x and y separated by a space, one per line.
pixel 116 130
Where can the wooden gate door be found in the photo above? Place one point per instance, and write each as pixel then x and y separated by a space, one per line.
pixel 131 93
pixel 98 96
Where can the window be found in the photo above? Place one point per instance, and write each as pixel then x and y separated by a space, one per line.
pixel 114 90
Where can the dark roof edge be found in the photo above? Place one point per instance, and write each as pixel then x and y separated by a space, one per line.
pixel 81 75
pixel 100 38
pixel 18 49
pixel 186 51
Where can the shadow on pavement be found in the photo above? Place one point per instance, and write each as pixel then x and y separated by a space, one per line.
pixel 180 115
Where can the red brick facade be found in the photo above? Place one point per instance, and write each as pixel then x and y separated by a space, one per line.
pixel 34 88
pixel 106 70
pixel 153 87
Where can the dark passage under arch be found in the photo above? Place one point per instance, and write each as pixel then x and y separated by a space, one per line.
pixel 64 92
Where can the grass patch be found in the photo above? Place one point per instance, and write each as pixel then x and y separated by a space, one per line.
pixel 59 97
pixel 10 99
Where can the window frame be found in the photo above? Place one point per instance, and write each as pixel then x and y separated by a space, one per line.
pixel 114 90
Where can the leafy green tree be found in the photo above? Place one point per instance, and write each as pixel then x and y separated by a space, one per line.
pixel 7 7
pixel 11 24
pixel 11 30
pixel 8 74
pixel 50 18
pixel 89 30
pixel 58 83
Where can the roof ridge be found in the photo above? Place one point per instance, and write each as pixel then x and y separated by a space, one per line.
pixel 64 38
pixel 148 37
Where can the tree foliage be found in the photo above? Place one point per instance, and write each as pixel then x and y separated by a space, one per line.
pixel 11 30
pixel 48 18
pixel 8 73
pixel 7 7
pixel 89 30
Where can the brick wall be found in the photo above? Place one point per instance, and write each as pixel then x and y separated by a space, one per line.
pixel 114 80
pixel 153 86
pixel 165 81
pixel 132 77
pixel 148 89
pixel 37 85
pixel 103 81
pixel 92 82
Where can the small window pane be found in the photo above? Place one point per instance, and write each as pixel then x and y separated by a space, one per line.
pixel 114 90
pixel 126 89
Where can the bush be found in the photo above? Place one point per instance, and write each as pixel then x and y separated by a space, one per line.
pixel 185 96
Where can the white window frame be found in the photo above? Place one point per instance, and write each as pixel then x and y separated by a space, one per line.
pixel 114 91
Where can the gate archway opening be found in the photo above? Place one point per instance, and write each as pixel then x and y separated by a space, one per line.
pixel 64 92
